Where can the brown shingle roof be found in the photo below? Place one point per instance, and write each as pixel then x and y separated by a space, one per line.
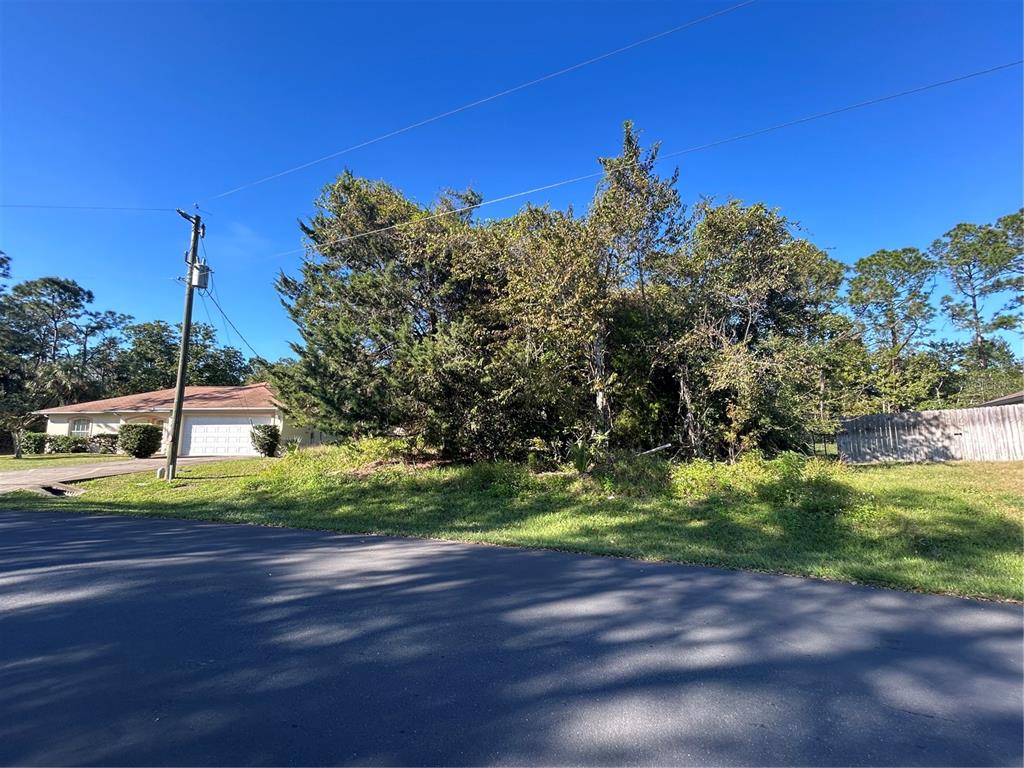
pixel 252 396
pixel 1011 399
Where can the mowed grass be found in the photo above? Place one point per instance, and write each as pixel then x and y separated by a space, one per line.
pixel 44 461
pixel 948 528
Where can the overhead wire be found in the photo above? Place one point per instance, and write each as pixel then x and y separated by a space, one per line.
pixel 84 207
pixel 227 334
pixel 213 298
pixel 241 390
pixel 212 294
pixel 676 153
pixel 487 99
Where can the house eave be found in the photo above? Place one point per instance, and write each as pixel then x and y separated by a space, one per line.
pixel 154 410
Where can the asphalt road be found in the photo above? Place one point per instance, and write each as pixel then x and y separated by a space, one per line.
pixel 162 642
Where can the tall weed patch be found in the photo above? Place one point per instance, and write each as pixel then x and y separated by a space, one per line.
pixel 789 481
pixel 327 466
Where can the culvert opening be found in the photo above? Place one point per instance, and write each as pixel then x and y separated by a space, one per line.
pixel 60 490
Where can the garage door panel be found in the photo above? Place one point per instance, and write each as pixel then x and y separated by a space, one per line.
pixel 220 435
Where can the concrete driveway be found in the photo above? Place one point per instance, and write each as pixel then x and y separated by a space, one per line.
pixel 131 641
pixel 21 479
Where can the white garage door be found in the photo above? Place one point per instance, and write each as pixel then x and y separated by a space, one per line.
pixel 219 435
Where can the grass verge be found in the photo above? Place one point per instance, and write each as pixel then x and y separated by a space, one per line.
pixel 47 460
pixel 946 528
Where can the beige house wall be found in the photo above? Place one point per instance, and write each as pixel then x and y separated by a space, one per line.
pixel 305 436
pixel 99 424
pixel 109 423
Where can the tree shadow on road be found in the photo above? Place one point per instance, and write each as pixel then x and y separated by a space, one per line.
pixel 128 641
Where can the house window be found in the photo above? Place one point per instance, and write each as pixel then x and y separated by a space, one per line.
pixel 80 428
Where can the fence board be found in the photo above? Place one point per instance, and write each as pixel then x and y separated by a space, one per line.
pixel 995 433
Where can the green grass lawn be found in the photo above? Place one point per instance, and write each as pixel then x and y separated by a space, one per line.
pixel 32 461
pixel 951 528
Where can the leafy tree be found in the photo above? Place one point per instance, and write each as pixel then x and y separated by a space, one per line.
pixel 210 363
pixel 889 294
pixel 1011 227
pixel 558 332
pixel 371 307
pixel 52 305
pixel 480 338
pixel 750 305
pixel 49 325
pixel 149 360
pixel 962 384
pixel 981 261
pixel 555 304
pixel 25 372
pixel 616 327
pixel 636 218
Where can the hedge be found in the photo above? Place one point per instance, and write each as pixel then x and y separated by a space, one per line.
pixel 139 440
pixel 33 442
pixel 104 443
pixel 67 444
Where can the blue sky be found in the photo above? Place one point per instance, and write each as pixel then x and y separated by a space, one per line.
pixel 166 104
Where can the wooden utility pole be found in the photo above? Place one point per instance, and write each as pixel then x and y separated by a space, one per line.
pixel 195 277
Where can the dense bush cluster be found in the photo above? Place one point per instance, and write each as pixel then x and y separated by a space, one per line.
pixel 40 442
pixel 103 443
pixel 67 444
pixel 33 442
pixel 556 336
pixel 265 439
pixel 139 440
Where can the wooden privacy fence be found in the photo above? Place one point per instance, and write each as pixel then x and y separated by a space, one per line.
pixel 995 433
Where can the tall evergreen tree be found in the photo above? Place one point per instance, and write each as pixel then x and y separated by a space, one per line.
pixel 982 262
pixel 890 294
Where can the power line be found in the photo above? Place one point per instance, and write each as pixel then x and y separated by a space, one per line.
pixel 486 99
pixel 850 107
pixel 223 317
pixel 207 292
pixel 227 334
pixel 677 153
pixel 206 309
pixel 85 207
pixel 228 320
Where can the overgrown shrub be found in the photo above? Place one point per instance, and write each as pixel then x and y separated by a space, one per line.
pixel 104 443
pixel 33 442
pixel 139 440
pixel 790 481
pixel 498 478
pixel 810 485
pixel 540 457
pixel 265 439
pixel 579 455
pixel 67 444
pixel 329 466
pixel 352 454
pixel 630 475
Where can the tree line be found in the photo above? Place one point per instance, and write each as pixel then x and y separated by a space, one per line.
pixel 640 321
pixel 55 348
pixel 718 328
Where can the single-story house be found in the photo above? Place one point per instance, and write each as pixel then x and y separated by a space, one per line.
pixel 1013 398
pixel 216 421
